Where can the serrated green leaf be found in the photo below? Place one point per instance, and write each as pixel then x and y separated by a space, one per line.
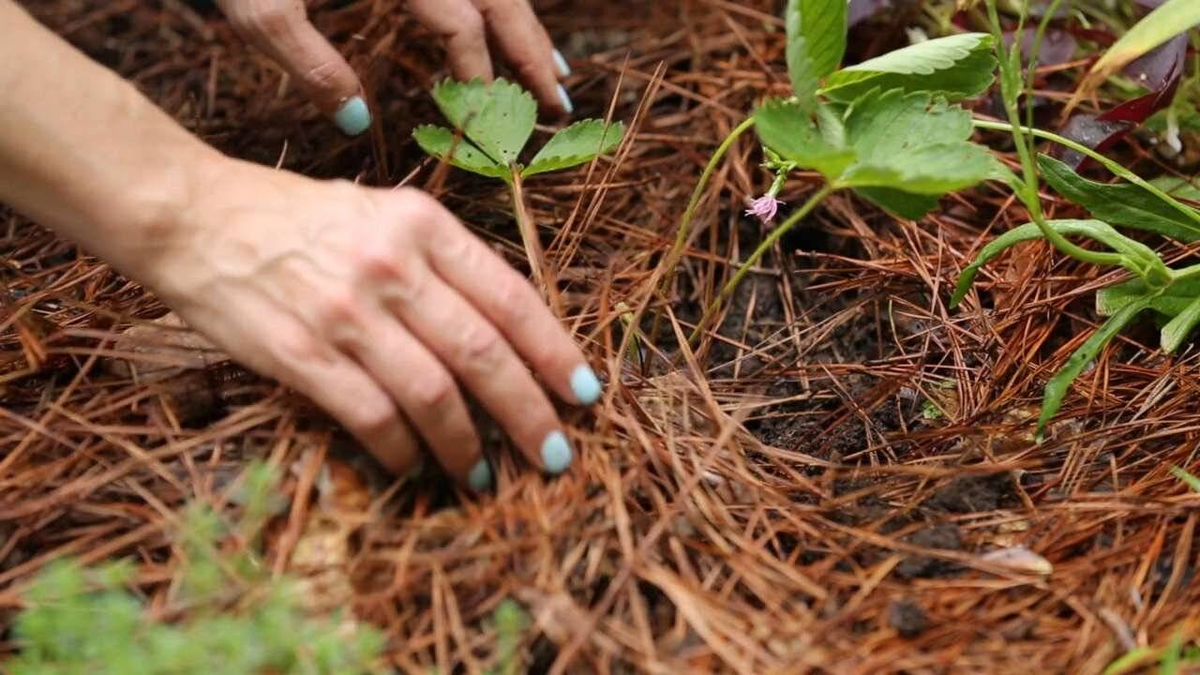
pixel 1058 386
pixel 438 142
pixel 912 143
pixel 954 67
pixel 1179 328
pixel 816 34
pixel 498 118
pixel 581 142
pixel 1125 204
pixel 1092 229
pixel 787 129
pixel 903 204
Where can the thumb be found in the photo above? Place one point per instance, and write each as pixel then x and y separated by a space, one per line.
pixel 281 29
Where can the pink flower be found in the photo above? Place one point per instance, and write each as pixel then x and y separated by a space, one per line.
pixel 765 208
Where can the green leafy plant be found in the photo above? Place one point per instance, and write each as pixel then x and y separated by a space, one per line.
pixel 1170 659
pixel 493 123
pixel 226 615
pixel 887 129
pixel 1173 294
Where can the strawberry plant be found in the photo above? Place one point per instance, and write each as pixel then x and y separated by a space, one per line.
pixel 492 125
pixel 887 129
pixel 1174 294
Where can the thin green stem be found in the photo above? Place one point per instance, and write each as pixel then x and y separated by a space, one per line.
pixel 758 254
pixel 1038 38
pixel 1109 164
pixel 1011 85
pixel 685 225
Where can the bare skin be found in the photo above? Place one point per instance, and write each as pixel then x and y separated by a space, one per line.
pixel 281 29
pixel 377 304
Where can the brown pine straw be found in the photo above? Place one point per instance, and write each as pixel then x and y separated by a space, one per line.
pixel 813 490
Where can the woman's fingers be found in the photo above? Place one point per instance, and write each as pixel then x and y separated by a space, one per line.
pixel 428 395
pixel 479 355
pixel 281 29
pixel 527 47
pixel 511 304
pixel 460 25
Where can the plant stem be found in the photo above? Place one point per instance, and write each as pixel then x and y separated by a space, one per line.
pixel 1011 85
pixel 1109 164
pixel 685 225
pixel 759 252
pixel 529 237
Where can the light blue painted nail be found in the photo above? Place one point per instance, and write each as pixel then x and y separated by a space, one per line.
pixel 566 99
pixel 585 385
pixel 556 453
pixel 480 478
pixel 353 117
pixel 564 68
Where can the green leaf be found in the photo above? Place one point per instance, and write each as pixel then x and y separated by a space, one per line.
pixel 498 117
pixel 1058 386
pixel 816 43
pixel 1093 229
pixel 912 143
pixel 1173 301
pixel 438 142
pixel 787 129
pixel 1178 187
pixel 1192 481
pixel 581 142
pixel 1124 204
pixel 1165 22
pixel 1179 328
pixel 903 204
pixel 954 67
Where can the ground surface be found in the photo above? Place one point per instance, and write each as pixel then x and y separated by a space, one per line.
pixel 814 490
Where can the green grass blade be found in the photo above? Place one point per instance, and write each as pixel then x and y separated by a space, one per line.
pixel 1060 384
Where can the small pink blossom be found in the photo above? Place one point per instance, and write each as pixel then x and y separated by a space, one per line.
pixel 765 208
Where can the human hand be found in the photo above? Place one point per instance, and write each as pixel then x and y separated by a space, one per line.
pixel 281 29
pixel 372 302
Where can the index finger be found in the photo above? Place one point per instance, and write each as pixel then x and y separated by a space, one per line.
pixel 527 46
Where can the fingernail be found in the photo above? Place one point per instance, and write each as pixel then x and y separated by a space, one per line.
pixel 556 453
pixel 564 68
pixel 480 478
pixel 585 385
pixel 566 99
pixel 353 117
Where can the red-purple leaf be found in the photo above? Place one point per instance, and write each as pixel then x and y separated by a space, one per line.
pixel 1093 132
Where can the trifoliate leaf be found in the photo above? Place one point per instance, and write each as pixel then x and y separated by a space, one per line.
pixel 816 33
pixel 787 129
pixel 911 143
pixel 1125 204
pixel 497 117
pixel 954 67
pixel 439 141
pixel 581 142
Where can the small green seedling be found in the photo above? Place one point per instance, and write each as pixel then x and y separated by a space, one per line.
pixel 886 129
pixel 228 615
pixel 492 125
pixel 1191 480
pixel 1173 294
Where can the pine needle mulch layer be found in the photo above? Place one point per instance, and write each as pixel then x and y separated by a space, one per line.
pixel 843 480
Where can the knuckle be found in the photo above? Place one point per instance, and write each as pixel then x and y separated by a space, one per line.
pixel 337 310
pixel 294 345
pixel 482 346
pixel 512 297
pixel 323 76
pixel 469 25
pixel 435 391
pixel 372 416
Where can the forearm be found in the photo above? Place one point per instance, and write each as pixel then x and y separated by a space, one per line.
pixel 83 152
